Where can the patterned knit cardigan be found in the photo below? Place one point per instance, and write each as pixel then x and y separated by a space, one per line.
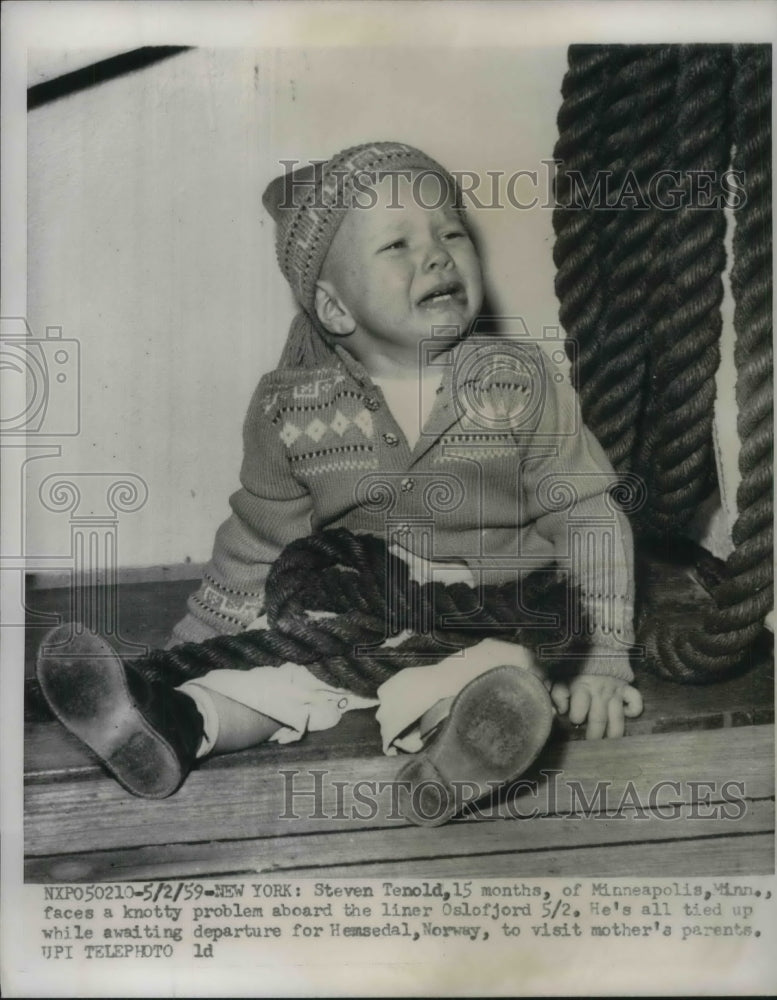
pixel 504 478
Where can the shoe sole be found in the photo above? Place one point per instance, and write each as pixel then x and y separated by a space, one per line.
pixel 86 689
pixel 496 729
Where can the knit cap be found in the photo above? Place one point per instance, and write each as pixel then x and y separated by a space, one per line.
pixel 309 204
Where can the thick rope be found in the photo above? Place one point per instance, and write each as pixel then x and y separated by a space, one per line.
pixel 637 281
pixel 637 125
pixel 328 609
pixel 575 253
pixel 676 457
pixel 632 282
pixel 734 619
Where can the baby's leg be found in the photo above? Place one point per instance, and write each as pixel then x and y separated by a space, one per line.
pixel 238 727
pixel 145 732
pixel 241 708
pixel 149 734
pixel 414 701
pixel 486 716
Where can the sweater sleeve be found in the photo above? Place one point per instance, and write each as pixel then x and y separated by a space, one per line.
pixel 566 490
pixel 271 509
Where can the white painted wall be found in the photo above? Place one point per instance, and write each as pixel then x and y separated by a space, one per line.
pixel 148 242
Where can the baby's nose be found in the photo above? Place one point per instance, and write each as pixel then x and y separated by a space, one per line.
pixel 437 256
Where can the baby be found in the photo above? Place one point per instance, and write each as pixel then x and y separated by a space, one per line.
pixel 379 383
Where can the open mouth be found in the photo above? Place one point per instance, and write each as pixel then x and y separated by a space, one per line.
pixel 443 295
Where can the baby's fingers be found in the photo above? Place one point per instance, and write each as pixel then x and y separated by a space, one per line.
pixel 632 700
pixel 559 695
pixel 616 723
pixel 579 705
pixel 597 719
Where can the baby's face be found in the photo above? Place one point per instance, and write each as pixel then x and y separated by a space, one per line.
pixel 400 271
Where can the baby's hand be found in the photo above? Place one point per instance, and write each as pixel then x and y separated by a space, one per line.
pixel 604 701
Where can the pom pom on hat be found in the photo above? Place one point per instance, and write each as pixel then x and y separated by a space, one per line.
pixel 309 204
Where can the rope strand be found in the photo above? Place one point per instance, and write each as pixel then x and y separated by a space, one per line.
pixel 348 646
pixel 677 458
pixel 733 620
pixel 575 220
pixel 640 299
pixel 638 124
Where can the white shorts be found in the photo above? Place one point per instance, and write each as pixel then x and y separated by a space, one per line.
pixel 301 703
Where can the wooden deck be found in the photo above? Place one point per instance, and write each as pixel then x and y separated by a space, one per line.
pixel 656 803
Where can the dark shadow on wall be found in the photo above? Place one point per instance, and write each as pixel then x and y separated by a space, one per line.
pixel 99 72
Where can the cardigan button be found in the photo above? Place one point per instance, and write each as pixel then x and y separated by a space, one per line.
pixel 391 440
pixel 372 404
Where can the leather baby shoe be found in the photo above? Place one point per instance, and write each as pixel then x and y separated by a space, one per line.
pixel 497 726
pixel 146 733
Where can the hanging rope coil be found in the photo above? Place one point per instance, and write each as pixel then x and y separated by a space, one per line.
pixel 639 286
pixel 646 376
pixel 637 124
pixel 677 454
pixel 575 254
pixel 329 608
pixel 735 616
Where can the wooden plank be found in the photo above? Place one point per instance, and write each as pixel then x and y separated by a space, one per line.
pixel 147 612
pixel 51 753
pixel 249 801
pixel 669 707
pixel 464 839
pixel 730 856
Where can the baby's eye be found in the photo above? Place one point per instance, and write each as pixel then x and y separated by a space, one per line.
pixel 455 234
pixel 396 245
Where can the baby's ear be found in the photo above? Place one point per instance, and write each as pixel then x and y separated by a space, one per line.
pixel 332 312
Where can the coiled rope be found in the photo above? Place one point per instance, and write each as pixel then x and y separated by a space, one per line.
pixel 734 617
pixel 638 123
pixel 646 377
pixel 575 253
pixel 329 608
pixel 676 456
